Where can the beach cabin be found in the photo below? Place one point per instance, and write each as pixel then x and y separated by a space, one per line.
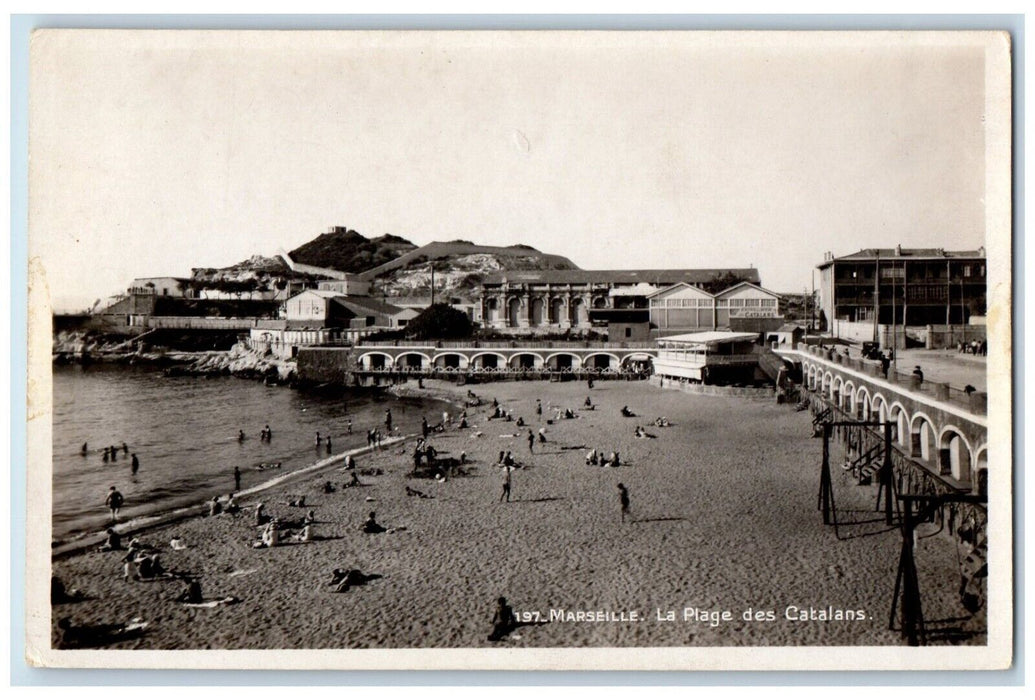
pixel 710 357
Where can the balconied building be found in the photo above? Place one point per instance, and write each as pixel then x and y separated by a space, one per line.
pixel 547 300
pixel 904 286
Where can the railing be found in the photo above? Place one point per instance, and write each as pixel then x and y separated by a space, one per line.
pixel 975 402
pixel 201 323
pixel 514 344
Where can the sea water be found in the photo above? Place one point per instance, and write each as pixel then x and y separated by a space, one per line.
pixel 184 431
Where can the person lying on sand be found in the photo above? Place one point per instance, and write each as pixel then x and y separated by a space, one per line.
pixel 591 458
pixel 231 506
pixel 177 543
pixel 342 580
pixel 297 502
pixel 353 481
pixel 93 636
pixel 627 413
pixel 146 567
pixel 416 493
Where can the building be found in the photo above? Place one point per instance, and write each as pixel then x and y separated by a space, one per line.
pixel 321 308
pixel 902 286
pixel 349 285
pixel 555 300
pixel 161 286
pixel 711 357
pixel 683 307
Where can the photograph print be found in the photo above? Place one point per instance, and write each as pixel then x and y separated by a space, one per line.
pixel 520 350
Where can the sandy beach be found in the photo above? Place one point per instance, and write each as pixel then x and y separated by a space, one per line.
pixel 723 518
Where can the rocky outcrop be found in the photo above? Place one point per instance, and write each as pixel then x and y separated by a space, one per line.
pixel 241 361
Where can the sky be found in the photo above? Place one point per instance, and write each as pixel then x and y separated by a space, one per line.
pixel 155 152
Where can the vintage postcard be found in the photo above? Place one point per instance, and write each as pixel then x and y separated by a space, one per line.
pixel 520 350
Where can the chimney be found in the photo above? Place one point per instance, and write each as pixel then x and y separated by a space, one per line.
pixel 898 250
pixel 981 251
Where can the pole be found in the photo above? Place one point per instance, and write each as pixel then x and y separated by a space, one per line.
pixel 876 297
pixel 432 282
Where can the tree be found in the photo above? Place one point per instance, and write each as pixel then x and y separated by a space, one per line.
pixel 439 322
pixel 720 282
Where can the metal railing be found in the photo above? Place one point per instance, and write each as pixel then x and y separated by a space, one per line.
pixel 513 344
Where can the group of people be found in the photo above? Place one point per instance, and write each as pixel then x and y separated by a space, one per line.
pixel 974 347
pixel 597 459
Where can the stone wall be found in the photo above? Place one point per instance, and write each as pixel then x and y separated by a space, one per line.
pixel 326 365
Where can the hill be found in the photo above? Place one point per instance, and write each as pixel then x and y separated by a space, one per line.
pixel 348 251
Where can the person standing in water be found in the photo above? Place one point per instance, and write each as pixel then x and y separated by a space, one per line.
pixel 83 450
pixel 531 441
pixel 328 444
pixel 125 448
pixel 237 478
pixel 114 502
pixel 319 439
pixel 240 436
pixel 388 420
pixel 135 465
pixel 107 454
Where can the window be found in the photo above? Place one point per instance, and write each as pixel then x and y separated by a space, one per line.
pixel 628 332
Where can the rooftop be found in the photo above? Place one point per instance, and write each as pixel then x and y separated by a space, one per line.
pixel 652 277
pixel 899 253
pixel 710 337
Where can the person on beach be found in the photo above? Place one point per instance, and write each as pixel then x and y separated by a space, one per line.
pixel 350 462
pixel 388 420
pixel 237 478
pixel 531 441
pixel 506 485
pixel 59 594
pixel 538 409
pixel 134 465
pixel 503 620
pixel 623 497
pixel 319 440
pixel 500 460
pixel 587 403
pixel 424 427
pixel 260 516
pixel 192 594
pixel 919 374
pixel 353 481
pixel 214 506
pixel 542 435
pixel 114 453
pixel 107 455
pixel 328 487
pixel 240 436
pixel 113 542
pixel 371 526
pixel 328 444
pixel 348 426
pixel 83 450
pixel 125 448
pixel 508 460
pixel 114 502
pixel 231 506
pixel 591 458
pixel 269 433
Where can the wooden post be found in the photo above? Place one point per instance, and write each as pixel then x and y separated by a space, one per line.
pixel 825 485
pixel 885 478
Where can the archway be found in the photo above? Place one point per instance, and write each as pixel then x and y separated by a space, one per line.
pixel 600 360
pixel 412 360
pixel 373 361
pixel 954 454
pixel 579 315
pixel 562 361
pixel 599 302
pixel 538 312
pixel 450 361
pixel 488 360
pixel 514 312
pixel 492 311
pixel 923 438
pixel 556 310
pixel 526 360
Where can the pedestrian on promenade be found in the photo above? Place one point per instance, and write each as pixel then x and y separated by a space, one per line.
pixel 919 374
pixel 506 485
pixel 135 465
pixel 114 502
pixel 237 478
pixel 623 497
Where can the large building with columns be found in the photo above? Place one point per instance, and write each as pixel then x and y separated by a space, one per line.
pixel 545 300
